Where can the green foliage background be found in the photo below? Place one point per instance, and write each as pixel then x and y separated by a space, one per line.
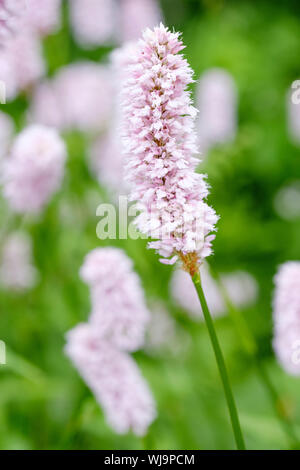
pixel 43 402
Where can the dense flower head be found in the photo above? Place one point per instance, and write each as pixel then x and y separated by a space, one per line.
pixel 114 378
pixel 159 141
pixel 241 288
pixel 286 316
pixel 99 348
pixel 119 313
pixel 94 22
pixel 16 269
pixel 217 103
pixel 34 169
pixel 79 97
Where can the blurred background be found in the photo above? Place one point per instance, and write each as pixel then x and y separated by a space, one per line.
pixel 245 56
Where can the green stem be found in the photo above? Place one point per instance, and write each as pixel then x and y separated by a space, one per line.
pixel 250 347
pixel 221 365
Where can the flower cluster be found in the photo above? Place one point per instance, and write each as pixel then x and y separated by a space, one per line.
pixel 16 269
pixel 116 326
pixel 34 169
pixel 119 313
pixel 159 141
pixel 114 378
pixel 286 314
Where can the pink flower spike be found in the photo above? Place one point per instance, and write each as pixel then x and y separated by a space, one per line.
pixel 159 143
pixel 119 313
pixel 114 379
pixel 286 316
pixel 34 170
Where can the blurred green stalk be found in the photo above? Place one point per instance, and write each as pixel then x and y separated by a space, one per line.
pixel 250 347
pixel 221 365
